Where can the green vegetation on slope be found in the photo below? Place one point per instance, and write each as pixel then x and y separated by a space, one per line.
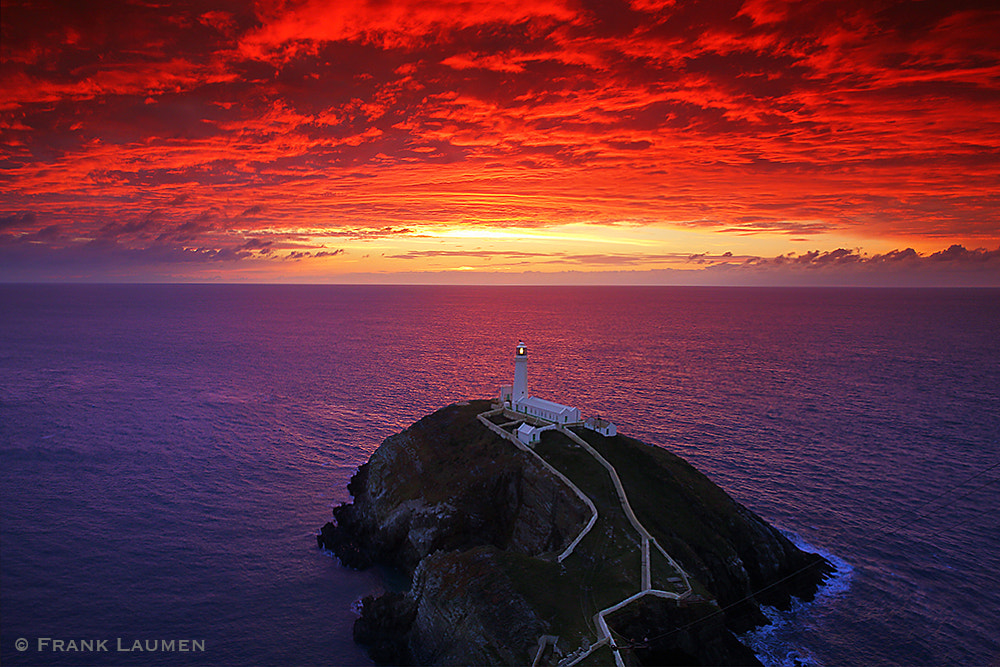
pixel 677 504
pixel 606 566
pixel 448 489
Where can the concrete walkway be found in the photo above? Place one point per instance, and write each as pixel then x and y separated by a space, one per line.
pixel 646 586
pixel 646 537
pixel 484 418
pixel 604 633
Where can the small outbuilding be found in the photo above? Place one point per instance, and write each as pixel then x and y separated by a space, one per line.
pixel 602 426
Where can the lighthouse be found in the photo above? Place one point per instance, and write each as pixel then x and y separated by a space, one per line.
pixel 520 389
pixel 538 414
pixel 516 396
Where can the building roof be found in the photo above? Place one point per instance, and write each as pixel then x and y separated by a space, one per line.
pixel 543 404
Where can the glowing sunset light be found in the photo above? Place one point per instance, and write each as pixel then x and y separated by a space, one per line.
pixel 744 142
pixel 564 233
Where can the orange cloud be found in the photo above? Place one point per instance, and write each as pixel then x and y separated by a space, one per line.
pixel 206 127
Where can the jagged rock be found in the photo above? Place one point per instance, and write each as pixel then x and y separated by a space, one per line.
pixel 469 612
pixel 407 496
pixel 661 632
pixel 383 627
pixel 741 559
pixel 475 523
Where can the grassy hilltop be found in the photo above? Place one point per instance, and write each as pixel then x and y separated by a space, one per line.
pixel 476 524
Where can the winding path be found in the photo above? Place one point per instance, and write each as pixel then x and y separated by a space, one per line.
pixel 646 538
pixel 485 419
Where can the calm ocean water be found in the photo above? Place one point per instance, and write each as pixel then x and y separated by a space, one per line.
pixel 167 453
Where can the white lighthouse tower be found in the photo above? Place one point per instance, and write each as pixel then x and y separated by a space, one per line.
pixel 520 389
pixel 539 414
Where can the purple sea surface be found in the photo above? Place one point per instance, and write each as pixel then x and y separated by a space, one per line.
pixel 167 453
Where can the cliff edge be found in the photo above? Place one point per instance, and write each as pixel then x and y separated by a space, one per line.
pixel 477 525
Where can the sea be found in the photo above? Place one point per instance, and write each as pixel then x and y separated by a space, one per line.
pixel 169 452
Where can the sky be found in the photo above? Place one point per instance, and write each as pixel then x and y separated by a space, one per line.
pixel 501 141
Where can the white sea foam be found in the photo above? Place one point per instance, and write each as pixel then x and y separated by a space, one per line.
pixel 770 643
pixel 356 607
pixel 839 582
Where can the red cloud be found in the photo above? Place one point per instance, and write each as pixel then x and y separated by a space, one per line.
pixel 289 30
pixel 766 118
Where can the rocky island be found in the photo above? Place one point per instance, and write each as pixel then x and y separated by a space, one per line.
pixel 533 556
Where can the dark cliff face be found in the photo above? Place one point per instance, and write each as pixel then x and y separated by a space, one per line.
pixel 448 483
pixel 476 523
pixel 730 550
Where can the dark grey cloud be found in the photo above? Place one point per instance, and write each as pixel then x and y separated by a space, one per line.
pixel 18 220
pixel 305 254
pixel 955 266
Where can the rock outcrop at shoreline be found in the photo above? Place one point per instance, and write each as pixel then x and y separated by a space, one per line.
pixel 475 525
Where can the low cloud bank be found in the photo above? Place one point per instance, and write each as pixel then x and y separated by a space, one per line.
pixel 51 254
